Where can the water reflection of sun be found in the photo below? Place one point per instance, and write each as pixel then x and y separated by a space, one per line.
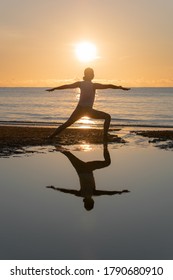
pixel 86 122
pixel 85 147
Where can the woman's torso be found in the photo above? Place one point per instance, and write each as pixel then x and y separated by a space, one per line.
pixel 87 94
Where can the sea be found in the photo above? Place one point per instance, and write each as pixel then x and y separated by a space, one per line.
pixel 144 106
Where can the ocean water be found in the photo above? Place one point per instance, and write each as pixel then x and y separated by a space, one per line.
pixel 137 107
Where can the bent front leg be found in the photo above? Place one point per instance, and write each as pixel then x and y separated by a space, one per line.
pixel 95 114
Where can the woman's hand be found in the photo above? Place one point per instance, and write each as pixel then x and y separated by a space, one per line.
pixel 124 88
pixel 51 89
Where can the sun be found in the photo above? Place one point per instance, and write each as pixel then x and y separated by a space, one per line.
pixel 86 51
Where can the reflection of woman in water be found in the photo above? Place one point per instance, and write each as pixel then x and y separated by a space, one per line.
pixel 86 178
pixel 86 101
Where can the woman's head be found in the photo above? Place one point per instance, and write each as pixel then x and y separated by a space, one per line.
pixel 88 74
pixel 88 203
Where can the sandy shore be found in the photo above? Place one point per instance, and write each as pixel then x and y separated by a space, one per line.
pixel 13 138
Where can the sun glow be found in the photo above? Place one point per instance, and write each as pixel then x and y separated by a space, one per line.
pixel 86 51
pixel 86 122
pixel 85 148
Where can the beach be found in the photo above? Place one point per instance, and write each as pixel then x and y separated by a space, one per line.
pixel 14 139
pixel 82 196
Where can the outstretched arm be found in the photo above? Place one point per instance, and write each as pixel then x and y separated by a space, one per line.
pixel 106 86
pixel 70 191
pixel 99 192
pixel 74 85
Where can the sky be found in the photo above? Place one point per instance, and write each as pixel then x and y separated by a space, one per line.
pixel 38 38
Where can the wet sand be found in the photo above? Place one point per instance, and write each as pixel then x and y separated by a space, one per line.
pixel 162 139
pixel 14 138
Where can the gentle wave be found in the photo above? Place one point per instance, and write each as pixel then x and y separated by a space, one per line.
pixel 138 107
pixel 76 125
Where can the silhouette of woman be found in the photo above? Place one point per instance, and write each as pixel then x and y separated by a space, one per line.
pixel 86 101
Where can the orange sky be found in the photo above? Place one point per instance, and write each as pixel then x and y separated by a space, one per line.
pixel 134 40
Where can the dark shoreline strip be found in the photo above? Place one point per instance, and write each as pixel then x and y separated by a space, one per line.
pixel 23 136
pixel 55 124
pixel 13 137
